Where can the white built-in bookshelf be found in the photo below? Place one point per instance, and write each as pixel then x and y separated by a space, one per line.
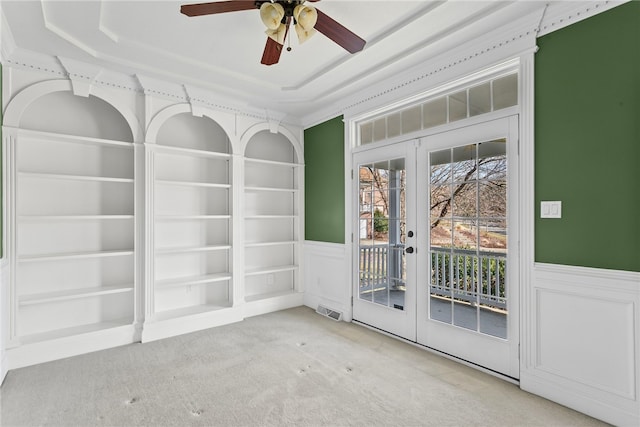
pixel 272 177
pixel 192 221
pixel 119 233
pixel 74 235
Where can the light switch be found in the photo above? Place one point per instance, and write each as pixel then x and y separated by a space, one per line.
pixel 551 209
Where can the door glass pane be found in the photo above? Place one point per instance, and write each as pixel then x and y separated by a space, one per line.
pixel 382 209
pixel 468 237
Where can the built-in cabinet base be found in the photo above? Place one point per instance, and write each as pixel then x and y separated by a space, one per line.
pixel 208 318
pixel 45 351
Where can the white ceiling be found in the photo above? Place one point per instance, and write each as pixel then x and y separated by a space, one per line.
pixel 222 53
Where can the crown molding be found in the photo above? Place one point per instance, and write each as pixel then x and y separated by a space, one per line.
pixel 502 44
pixel 563 14
pixel 493 48
pixel 84 75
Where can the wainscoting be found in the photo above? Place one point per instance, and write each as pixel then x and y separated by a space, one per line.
pixel 326 276
pixel 582 338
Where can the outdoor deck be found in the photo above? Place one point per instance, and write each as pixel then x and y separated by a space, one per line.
pixel 485 320
pixel 467 287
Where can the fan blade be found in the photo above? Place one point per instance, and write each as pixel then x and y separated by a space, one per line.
pixel 273 49
pixel 200 9
pixel 339 33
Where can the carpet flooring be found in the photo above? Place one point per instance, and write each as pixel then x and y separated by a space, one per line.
pixel 292 367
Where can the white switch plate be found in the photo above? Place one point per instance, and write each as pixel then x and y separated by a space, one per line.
pixel 551 209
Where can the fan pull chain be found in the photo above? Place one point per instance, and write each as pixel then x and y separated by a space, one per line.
pixel 289 40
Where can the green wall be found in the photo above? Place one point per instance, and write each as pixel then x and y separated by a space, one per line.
pixel 587 141
pixel 324 181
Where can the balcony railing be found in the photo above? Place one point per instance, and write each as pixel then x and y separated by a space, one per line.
pixel 456 274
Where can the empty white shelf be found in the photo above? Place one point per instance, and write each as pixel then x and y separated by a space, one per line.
pixel 162 149
pixel 193 280
pixel 74 139
pixel 190 217
pixel 274 189
pixel 75 255
pixel 191 183
pixel 280 243
pixel 69 294
pixel 271 162
pixel 71 217
pixel 269 270
pixel 49 176
pixel 270 216
pixel 73 331
pixel 164 251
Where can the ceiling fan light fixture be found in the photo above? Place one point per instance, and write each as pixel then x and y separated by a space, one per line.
pixel 305 16
pixel 304 35
pixel 277 16
pixel 305 19
pixel 271 15
pixel 277 34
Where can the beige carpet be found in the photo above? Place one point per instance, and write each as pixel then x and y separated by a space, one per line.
pixel 292 367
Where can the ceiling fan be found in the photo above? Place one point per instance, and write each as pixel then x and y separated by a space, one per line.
pixel 277 15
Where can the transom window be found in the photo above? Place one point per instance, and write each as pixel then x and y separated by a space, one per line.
pixel 491 95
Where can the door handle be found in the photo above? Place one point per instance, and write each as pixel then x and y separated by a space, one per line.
pixel 409 250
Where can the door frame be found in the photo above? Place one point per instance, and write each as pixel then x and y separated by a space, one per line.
pixel 524 213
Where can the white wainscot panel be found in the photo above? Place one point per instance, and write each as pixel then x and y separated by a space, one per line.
pixel 327 277
pixel 585 341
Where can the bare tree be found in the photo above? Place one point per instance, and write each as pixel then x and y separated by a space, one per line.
pixel 461 185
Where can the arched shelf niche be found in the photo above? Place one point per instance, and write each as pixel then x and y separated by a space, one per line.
pixel 65 113
pixel 51 106
pixel 272 208
pixel 192 214
pixel 72 210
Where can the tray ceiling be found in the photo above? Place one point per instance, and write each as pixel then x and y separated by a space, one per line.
pixel 221 53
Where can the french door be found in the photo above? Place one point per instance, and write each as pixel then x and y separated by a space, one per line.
pixel 436 254
pixel 385 293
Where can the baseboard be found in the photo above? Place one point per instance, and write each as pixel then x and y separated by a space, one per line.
pixel 46 351
pixel 156 330
pixel 3 369
pixel 313 301
pixel 276 303
pixel 593 407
